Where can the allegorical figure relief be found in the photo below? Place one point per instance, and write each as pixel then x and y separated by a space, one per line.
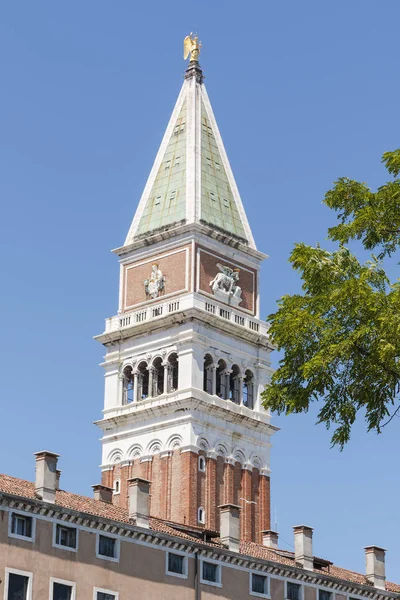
pixel 156 282
pixel 224 285
pixel 191 46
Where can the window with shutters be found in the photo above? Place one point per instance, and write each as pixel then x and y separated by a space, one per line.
pixel 65 537
pixel 21 526
pixel 210 573
pixel 293 591
pixel 259 585
pixel 176 565
pixel 107 547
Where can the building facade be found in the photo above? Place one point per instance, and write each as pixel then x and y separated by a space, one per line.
pixel 60 546
pixel 183 508
pixel 187 354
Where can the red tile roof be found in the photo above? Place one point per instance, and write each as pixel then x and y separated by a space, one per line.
pixel 97 508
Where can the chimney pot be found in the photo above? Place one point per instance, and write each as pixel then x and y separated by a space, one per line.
pixel 139 501
pixel 230 526
pixel 375 566
pixel 102 493
pixel 303 550
pixel 270 539
pixel 46 475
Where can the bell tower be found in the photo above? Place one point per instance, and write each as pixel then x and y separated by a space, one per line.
pixel 187 355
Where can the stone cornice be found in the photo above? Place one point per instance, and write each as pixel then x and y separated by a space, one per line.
pixel 189 402
pixel 179 318
pixel 180 229
pixel 130 531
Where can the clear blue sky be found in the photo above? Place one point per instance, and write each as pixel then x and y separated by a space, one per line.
pixel 303 92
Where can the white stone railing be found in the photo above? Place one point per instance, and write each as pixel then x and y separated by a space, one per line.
pixel 145 314
pixel 230 314
pixel 163 309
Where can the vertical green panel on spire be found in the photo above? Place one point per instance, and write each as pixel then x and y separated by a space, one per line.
pixel 166 203
pixel 218 206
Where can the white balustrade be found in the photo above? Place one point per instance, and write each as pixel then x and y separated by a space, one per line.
pixel 163 309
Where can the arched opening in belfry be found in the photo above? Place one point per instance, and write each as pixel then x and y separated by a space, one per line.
pixel 128 391
pixel 173 373
pixel 234 384
pixel 248 389
pixel 222 380
pixel 208 374
pixel 157 377
pixel 143 381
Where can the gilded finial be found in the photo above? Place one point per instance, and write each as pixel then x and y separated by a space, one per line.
pixel 191 46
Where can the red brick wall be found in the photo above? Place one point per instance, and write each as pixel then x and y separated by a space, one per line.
pixel 174 503
pixel 178 489
pixel 212 498
pixel 264 503
pixel 245 517
pixel 173 267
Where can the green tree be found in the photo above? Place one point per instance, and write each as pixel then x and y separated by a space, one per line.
pixel 341 336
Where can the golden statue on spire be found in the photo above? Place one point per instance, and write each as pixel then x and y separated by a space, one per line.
pixel 191 46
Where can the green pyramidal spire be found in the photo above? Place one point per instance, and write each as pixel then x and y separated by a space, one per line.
pixel 191 180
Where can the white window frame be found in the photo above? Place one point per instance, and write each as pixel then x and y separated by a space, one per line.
pixel 267 594
pixel 202 460
pixel 297 583
pixel 203 520
pixel 18 572
pixel 16 535
pixel 117 547
pixel 322 589
pixel 71 584
pixel 183 575
pixel 60 546
pixel 217 583
pixel 103 591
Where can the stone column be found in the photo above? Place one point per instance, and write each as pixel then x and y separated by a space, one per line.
pixel 135 387
pixel 240 379
pixel 225 383
pixel 213 369
pixel 166 377
pixel 151 382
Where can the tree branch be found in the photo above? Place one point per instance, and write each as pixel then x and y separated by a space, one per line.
pixel 392 416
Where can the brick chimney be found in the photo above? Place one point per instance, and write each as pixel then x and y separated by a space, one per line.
pixel 230 526
pixel 103 493
pixel 270 539
pixel 139 501
pixel 303 551
pixel 46 475
pixel 375 566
